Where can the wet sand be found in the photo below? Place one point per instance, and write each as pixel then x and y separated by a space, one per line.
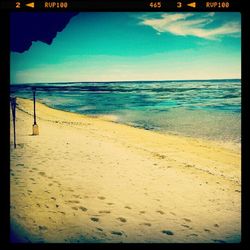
pixel 86 179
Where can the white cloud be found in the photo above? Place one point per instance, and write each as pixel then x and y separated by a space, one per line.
pixel 184 24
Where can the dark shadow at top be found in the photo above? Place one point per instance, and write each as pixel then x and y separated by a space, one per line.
pixel 26 27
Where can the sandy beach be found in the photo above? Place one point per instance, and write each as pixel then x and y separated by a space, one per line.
pixel 87 179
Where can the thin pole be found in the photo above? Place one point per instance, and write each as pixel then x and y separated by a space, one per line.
pixel 13 108
pixel 34 102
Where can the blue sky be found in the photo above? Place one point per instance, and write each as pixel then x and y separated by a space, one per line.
pixel 135 46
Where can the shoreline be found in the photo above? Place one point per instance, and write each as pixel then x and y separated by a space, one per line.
pixel 236 146
pixel 86 179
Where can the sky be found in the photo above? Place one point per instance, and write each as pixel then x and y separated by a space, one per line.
pixel 129 46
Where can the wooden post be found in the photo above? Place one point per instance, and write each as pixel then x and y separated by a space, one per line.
pixel 13 109
pixel 35 129
pixel 34 102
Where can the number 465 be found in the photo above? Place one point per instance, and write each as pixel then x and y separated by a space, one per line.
pixel 155 4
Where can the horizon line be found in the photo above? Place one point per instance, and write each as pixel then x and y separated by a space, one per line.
pixel 170 80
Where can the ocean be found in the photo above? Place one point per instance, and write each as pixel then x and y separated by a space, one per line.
pixel 208 109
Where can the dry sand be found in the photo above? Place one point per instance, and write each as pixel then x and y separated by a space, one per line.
pixel 86 179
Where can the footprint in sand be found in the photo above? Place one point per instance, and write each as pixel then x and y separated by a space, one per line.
pixel 19 165
pixel 42 228
pixel 101 197
pixel 53 198
pixel 42 173
pixel 216 225
pixel 121 219
pixel 187 226
pixel 128 207
pixel 104 212
pixel 116 233
pixel 75 208
pixel 142 212
pixel 146 224
pixel 73 201
pixel 160 212
pixel 110 203
pixel 99 229
pixel 84 209
pixel 206 230
pixel 51 219
pixel 160 156
pixel 168 232
pixel 193 235
pixel 185 219
pixel 94 219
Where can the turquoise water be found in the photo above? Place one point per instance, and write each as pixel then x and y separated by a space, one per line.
pixel 208 109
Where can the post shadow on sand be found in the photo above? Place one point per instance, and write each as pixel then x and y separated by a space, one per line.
pixel 13 109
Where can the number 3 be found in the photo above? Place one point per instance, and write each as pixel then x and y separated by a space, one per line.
pixel 179 4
